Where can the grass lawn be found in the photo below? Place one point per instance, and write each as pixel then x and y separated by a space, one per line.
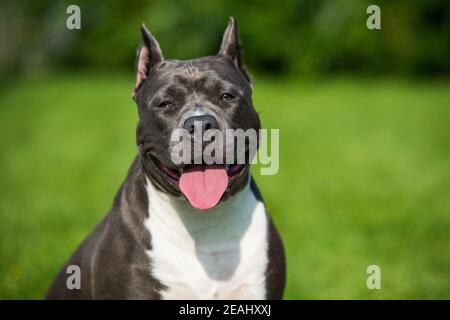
pixel 364 179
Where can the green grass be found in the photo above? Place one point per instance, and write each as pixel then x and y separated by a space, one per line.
pixel 364 179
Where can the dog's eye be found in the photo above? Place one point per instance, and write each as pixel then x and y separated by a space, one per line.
pixel 226 96
pixel 165 104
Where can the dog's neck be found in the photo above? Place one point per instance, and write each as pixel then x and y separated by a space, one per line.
pixel 180 216
pixel 220 253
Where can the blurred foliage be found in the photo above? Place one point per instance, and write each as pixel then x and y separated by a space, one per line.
pixel 308 37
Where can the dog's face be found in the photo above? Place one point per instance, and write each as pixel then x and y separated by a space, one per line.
pixel 213 92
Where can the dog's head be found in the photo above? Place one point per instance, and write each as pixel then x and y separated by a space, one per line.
pixel 211 92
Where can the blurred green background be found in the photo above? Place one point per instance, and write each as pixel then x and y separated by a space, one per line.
pixel 364 132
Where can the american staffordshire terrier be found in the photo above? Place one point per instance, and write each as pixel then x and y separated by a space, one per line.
pixel 179 231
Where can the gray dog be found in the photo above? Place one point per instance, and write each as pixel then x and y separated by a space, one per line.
pixel 183 231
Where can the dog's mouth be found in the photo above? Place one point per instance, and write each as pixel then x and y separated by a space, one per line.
pixel 203 185
pixel 232 170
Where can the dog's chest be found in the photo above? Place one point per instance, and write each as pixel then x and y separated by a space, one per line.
pixel 218 254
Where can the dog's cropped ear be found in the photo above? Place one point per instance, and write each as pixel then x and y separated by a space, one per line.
pixel 148 56
pixel 231 48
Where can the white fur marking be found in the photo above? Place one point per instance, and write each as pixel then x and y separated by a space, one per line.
pixel 217 254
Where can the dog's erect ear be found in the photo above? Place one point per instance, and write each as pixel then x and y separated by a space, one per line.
pixel 230 46
pixel 148 55
pixel 230 43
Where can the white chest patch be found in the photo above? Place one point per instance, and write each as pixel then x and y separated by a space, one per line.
pixel 217 254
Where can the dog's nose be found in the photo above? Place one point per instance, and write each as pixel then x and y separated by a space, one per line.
pixel 207 122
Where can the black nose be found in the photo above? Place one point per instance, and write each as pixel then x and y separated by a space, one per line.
pixel 207 122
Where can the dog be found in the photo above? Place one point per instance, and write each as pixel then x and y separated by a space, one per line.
pixel 183 231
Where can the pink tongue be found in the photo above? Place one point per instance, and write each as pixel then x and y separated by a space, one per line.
pixel 203 186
